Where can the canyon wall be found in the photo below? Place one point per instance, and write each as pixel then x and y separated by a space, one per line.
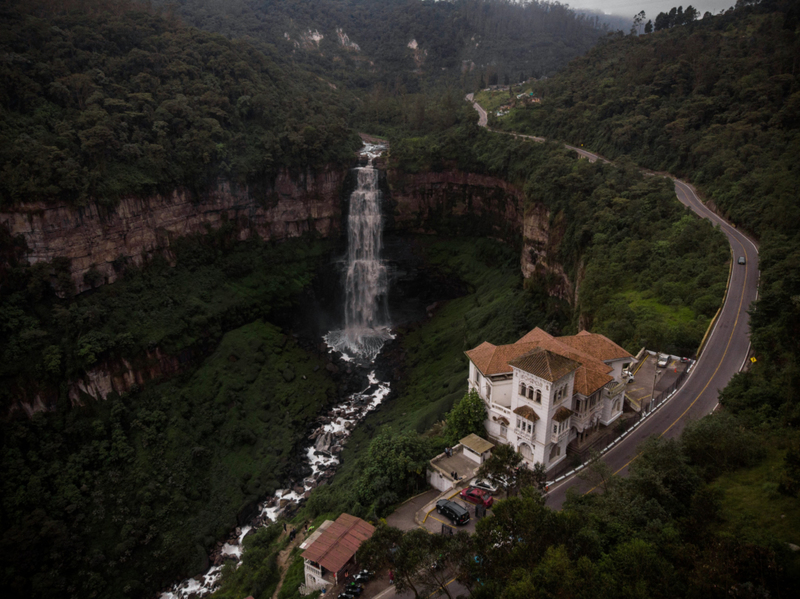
pixel 443 203
pixel 94 236
pixel 459 203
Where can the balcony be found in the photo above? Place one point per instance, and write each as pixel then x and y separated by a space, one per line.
pixel 556 437
pixel 502 409
pixel 313 570
pixel 525 435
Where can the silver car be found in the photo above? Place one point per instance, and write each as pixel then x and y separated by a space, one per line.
pixel 663 360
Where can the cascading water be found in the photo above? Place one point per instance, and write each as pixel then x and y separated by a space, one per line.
pixel 366 330
pixel 365 317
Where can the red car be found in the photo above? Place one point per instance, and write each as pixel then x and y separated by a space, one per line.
pixel 477 496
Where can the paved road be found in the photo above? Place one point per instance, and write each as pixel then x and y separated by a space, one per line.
pixel 724 355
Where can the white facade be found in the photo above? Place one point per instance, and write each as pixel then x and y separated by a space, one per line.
pixel 525 410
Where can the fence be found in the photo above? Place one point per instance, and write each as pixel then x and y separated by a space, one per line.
pixel 576 459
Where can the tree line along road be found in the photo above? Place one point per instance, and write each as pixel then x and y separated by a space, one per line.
pixel 725 353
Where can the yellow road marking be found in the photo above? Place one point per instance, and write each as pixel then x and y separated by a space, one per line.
pixel 441 588
pixel 722 359
pixel 443 522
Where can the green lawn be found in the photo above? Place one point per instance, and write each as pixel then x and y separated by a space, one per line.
pixel 752 506
pixel 492 100
pixel 669 315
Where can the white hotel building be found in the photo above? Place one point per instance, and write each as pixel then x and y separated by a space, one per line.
pixel 544 393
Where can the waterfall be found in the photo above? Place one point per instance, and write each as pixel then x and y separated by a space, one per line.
pixel 366 325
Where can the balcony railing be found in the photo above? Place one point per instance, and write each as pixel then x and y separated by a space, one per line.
pixel 499 408
pixel 556 437
pixel 521 434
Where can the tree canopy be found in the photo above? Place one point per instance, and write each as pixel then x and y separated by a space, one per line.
pixel 100 104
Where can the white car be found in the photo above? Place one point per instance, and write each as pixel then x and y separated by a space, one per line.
pixel 663 360
pixel 627 376
pixel 486 485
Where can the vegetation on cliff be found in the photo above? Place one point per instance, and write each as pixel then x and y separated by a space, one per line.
pixel 716 101
pixel 117 498
pixel 650 272
pixel 114 100
pixel 407 45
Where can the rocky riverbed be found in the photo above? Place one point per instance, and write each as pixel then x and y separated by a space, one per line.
pixel 325 443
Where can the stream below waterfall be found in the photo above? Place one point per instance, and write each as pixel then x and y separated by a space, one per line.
pixel 366 329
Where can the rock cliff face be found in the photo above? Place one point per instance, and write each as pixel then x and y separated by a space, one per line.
pixel 541 239
pixel 94 236
pixel 453 202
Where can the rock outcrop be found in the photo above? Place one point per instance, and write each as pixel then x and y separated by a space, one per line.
pixel 455 202
pixel 94 236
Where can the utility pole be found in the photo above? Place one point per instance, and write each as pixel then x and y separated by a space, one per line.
pixel 656 372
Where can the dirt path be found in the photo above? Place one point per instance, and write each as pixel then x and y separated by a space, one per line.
pixel 283 558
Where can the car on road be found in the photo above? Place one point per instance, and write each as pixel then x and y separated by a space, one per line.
pixel 456 513
pixel 486 485
pixel 477 496
pixel 742 260
pixel 663 360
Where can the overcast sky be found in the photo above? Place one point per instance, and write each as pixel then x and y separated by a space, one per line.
pixel 651 7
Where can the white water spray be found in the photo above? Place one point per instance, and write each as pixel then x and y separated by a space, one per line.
pixel 366 322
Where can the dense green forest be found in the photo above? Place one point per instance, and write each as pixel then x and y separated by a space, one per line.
pixel 715 101
pixel 616 224
pixel 655 533
pixel 458 41
pixel 117 498
pixel 116 100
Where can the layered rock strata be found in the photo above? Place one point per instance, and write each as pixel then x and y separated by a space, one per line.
pixel 94 236
pixel 455 202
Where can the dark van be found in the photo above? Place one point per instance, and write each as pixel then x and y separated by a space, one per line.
pixel 456 513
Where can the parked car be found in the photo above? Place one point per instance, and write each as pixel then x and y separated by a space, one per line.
pixel 486 485
pixel 456 513
pixel 663 360
pixel 362 577
pixel 627 376
pixel 477 496
pixel 742 260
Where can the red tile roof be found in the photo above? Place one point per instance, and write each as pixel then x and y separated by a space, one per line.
pixel 526 412
pixel 591 350
pixel 545 364
pixel 588 381
pixel 598 346
pixel 562 414
pixel 339 542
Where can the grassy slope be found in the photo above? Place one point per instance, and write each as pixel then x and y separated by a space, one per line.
pixel 752 506
pixel 497 308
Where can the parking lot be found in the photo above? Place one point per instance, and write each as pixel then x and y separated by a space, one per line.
pixel 647 375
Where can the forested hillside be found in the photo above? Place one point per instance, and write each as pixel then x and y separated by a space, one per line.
pixel 455 42
pixel 718 102
pixel 110 99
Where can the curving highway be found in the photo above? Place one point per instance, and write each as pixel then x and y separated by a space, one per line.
pixel 725 353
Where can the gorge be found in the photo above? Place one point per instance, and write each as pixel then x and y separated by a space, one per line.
pixel 176 244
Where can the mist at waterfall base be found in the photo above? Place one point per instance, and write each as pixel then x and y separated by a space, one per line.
pixel 400 288
pixel 366 326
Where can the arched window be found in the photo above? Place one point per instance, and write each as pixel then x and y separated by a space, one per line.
pixel 522 389
pixel 530 392
pixel 538 396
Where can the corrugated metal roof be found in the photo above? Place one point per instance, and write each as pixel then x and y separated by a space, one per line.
pixel 339 542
